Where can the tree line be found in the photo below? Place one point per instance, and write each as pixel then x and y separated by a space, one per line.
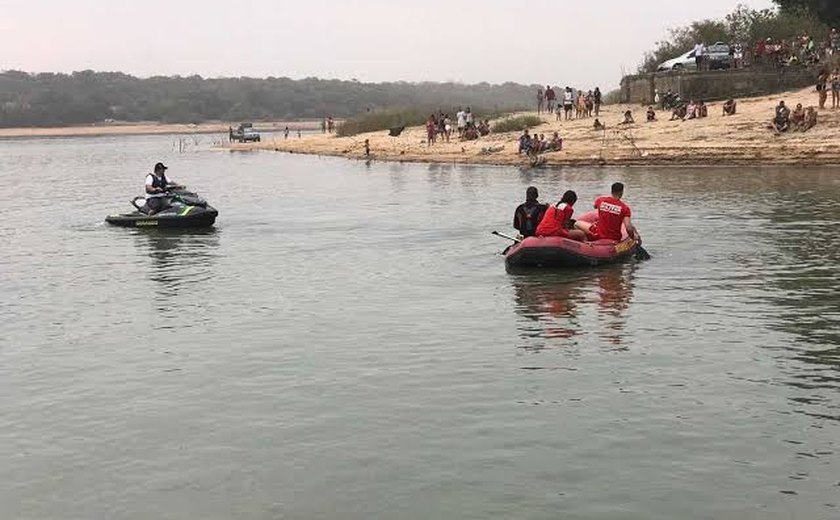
pixel 48 99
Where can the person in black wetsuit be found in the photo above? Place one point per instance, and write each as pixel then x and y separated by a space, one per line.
pixel 528 215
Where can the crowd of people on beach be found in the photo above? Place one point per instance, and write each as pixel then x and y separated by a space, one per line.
pixel 800 120
pixel 327 125
pixel 804 49
pixel 439 126
pixel 691 110
pixel 771 52
pixel 575 104
pixel 536 144
pixel 829 82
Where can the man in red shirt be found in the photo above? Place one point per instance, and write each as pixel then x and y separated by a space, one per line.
pixel 612 214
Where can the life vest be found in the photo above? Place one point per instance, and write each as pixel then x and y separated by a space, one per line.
pixel 529 218
pixel 552 224
pixel 157 182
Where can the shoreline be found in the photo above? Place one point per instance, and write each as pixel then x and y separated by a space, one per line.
pixel 739 140
pixel 148 128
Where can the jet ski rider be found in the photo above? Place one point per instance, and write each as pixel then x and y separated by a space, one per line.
pixel 157 188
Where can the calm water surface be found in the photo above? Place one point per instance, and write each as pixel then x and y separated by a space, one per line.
pixel 346 344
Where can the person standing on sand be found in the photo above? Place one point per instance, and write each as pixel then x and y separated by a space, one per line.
pixel 468 117
pixel 330 125
pixel 568 102
pixel 822 86
pixel 286 133
pixel 323 126
pixel 461 119
pixel 367 147
pixel 447 127
pixel 699 51
pixel 540 100
pixel 550 96
pixel 581 104
pixel 431 130
pixel 738 56
pixel 834 83
pixel 596 96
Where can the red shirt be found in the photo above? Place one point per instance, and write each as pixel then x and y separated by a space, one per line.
pixel 553 224
pixel 611 213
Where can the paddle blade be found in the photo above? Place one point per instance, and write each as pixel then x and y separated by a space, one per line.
pixel 641 253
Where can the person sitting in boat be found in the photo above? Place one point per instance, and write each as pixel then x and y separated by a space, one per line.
pixel 528 215
pixel 157 187
pixel 557 221
pixel 612 214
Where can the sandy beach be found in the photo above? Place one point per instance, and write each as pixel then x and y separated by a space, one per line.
pixel 150 128
pixel 739 139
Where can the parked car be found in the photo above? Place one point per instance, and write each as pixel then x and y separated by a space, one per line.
pixel 245 133
pixel 717 54
pixel 249 134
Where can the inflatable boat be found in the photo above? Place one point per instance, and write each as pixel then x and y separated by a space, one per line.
pixel 565 252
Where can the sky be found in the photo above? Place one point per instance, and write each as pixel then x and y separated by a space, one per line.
pixel 581 43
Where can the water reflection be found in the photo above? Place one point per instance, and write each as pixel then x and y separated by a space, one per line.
pixel 561 306
pixel 803 280
pixel 181 264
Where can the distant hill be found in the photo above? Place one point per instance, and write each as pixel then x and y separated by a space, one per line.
pixel 47 99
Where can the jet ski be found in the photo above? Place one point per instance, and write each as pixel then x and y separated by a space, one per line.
pixel 184 209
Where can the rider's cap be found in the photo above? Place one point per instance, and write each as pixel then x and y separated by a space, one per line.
pixel 160 166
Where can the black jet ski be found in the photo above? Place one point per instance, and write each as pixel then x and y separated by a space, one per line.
pixel 183 209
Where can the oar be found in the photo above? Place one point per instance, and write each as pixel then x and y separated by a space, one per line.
pixel 506 236
pixel 641 253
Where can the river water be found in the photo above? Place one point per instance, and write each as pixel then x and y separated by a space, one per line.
pixel 346 344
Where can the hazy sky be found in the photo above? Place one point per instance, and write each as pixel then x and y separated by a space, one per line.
pixel 580 43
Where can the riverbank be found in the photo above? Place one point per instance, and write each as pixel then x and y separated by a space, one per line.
pixel 733 140
pixel 150 128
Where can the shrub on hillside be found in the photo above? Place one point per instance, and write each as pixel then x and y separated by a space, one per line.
pixel 516 124
pixel 380 120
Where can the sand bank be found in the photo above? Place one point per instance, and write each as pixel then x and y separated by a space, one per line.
pixel 739 139
pixel 150 128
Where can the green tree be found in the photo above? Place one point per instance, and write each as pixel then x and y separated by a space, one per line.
pixel 88 97
pixel 826 10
